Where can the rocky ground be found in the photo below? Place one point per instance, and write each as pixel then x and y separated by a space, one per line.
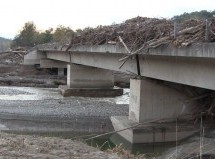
pixel 26 110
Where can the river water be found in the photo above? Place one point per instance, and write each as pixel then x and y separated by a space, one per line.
pixel 32 93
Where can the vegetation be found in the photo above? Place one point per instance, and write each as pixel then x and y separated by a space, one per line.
pixel 195 15
pixel 29 36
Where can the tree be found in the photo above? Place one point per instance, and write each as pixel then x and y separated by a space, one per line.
pixel 62 33
pixel 28 35
pixel 45 37
pixel 194 15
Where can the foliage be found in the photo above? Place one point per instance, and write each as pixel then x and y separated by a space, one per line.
pixel 194 15
pixel 29 35
pixel 62 33
pixel 46 36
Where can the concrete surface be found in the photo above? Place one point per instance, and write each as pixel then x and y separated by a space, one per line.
pixel 60 71
pixel 156 132
pixel 33 57
pixel 47 63
pixel 90 92
pixel 190 70
pixel 150 100
pixel 79 76
pixel 204 50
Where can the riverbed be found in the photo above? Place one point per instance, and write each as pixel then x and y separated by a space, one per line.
pixel 44 109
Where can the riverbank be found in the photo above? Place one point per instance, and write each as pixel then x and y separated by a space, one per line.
pixel 25 146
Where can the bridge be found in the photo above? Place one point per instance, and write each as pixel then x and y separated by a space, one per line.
pixel 166 79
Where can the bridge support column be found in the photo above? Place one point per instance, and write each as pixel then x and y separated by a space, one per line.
pixel 150 104
pixel 60 71
pixel 89 81
pixel 79 76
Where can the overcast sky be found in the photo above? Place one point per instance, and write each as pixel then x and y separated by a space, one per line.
pixel 83 13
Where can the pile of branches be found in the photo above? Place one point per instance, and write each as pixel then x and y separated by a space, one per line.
pixel 148 33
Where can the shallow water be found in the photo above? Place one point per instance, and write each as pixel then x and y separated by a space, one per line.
pixel 111 141
pixel 32 93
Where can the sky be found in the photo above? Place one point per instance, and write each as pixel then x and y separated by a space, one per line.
pixel 83 13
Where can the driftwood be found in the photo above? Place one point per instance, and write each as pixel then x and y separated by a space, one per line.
pixel 195 31
pixel 150 32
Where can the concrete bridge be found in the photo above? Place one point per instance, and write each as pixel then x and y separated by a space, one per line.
pixel 169 77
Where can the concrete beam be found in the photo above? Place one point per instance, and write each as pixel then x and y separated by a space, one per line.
pixel 47 63
pixel 191 71
pixel 205 50
pixel 31 58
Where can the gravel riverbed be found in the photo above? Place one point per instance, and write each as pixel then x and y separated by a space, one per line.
pixel 26 109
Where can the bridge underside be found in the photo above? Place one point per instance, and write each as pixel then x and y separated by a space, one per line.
pixel 192 71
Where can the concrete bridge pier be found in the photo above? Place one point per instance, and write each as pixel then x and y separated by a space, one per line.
pixel 89 82
pixel 60 71
pixel 154 107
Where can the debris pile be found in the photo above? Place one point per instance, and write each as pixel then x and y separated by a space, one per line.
pixel 148 33
pixel 12 57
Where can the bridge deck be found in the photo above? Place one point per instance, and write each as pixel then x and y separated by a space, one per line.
pixel 193 65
